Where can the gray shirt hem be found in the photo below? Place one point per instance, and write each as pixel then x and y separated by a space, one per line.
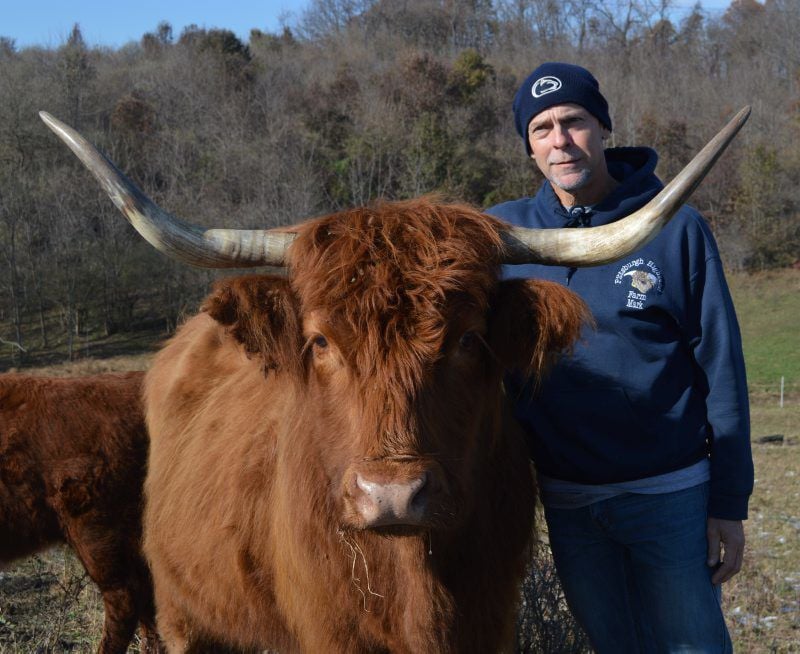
pixel 558 494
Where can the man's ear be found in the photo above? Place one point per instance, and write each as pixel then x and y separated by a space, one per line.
pixel 533 322
pixel 261 312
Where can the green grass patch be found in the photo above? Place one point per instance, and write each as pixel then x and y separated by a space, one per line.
pixel 768 306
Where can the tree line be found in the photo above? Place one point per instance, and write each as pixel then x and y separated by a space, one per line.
pixel 359 99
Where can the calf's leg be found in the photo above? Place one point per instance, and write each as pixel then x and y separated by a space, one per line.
pixel 121 618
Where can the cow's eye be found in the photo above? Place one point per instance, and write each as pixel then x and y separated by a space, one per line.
pixel 469 341
pixel 320 342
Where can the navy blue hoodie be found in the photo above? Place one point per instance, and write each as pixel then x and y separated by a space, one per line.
pixel 660 383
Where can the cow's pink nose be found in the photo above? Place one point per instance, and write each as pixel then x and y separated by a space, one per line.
pixel 392 503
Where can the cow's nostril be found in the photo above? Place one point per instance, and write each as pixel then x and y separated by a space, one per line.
pixel 419 495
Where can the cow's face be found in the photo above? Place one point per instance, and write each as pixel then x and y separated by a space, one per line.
pixel 397 336
pixel 399 435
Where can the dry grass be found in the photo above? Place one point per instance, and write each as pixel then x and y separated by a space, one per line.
pixel 83 367
pixel 763 602
pixel 49 604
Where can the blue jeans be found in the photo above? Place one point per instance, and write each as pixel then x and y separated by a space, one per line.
pixel 634 573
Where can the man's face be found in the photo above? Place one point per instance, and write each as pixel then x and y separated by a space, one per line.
pixel 567 145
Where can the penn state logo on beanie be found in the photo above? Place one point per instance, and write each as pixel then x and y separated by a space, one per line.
pixel 555 83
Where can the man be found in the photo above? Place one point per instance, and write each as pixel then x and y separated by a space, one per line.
pixel 641 438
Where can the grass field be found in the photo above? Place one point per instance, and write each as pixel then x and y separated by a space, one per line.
pixel 47 604
pixel 763 602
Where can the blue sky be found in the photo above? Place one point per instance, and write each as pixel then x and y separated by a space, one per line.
pixel 106 22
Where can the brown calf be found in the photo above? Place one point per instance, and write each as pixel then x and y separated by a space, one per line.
pixel 72 464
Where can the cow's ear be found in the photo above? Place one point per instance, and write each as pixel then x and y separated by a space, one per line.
pixel 533 322
pixel 261 312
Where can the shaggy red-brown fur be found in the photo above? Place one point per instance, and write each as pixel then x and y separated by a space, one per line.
pixel 72 464
pixel 382 355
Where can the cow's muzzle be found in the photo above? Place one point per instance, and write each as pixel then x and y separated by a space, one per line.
pixel 386 493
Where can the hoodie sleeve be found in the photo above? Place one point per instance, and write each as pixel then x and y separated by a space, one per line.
pixel 717 347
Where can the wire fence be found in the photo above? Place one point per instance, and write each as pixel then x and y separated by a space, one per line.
pixel 782 391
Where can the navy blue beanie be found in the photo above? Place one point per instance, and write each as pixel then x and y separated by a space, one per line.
pixel 556 83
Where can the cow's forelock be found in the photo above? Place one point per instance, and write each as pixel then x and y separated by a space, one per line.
pixel 385 277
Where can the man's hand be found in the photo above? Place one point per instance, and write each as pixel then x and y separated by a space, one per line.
pixel 725 536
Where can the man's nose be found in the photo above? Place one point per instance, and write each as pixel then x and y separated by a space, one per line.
pixel 561 137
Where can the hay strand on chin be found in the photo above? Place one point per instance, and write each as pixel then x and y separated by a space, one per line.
pixel 355 552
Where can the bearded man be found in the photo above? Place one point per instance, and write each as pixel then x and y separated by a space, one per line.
pixel 641 438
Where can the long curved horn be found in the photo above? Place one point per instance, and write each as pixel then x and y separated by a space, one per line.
pixel 595 246
pixel 207 248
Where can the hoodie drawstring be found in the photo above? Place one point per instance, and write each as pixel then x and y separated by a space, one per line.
pixel 578 217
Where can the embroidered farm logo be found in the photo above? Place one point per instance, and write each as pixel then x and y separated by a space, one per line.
pixel 545 85
pixel 644 277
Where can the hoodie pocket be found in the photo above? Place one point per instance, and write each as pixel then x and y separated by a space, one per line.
pixel 587 412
